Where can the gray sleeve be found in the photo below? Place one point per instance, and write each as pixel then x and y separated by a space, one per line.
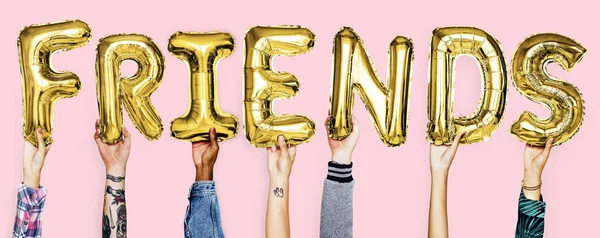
pixel 336 208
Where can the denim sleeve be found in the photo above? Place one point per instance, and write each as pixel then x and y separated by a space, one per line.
pixel 202 218
pixel 530 223
pixel 336 206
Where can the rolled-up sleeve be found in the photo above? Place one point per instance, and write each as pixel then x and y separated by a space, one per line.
pixel 530 223
pixel 30 204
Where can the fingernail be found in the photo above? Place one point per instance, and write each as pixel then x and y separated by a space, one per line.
pixel 280 138
pixel 39 130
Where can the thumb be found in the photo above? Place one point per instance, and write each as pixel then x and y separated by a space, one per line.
pixel 40 140
pixel 547 148
pixel 455 143
pixel 126 137
pixel 213 138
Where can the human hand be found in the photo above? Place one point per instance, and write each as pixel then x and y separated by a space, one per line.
pixel 33 160
pixel 535 157
pixel 280 160
pixel 341 150
pixel 114 156
pixel 204 154
pixel 441 156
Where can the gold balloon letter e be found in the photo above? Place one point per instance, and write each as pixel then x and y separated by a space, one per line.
pixel 263 85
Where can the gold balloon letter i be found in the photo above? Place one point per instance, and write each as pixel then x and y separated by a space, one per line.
pixel 446 45
pixel 134 92
pixel 353 69
pixel 42 86
pixel 533 80
pixel 263 85
pixel 202 52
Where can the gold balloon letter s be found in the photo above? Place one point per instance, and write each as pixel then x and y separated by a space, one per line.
pixel 446 45
pixel 134 91
pixel 353 69
pixel 202 52
pixel 533 80
pixel 263 85
pixel 42 86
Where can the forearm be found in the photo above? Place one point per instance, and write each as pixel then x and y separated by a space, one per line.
pixel 114 216
pixel 278 219
pixel 438 215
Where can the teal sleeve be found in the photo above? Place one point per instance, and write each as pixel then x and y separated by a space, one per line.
pixel 530 223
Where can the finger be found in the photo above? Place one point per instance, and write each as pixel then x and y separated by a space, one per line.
pixel 283 146
pixel 454 147
pixel 356 125
pixel 547 148
pixel 327 121
pixel 292 150
pixel 213 138
pixel 40 140
pixel 126 137
pixel 97 132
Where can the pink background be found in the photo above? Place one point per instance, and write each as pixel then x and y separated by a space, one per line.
pixel 392 184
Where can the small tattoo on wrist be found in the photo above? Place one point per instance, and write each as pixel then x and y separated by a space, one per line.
pixel 116 179
pixel 278 192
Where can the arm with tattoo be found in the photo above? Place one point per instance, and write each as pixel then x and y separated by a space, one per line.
pixel 279 160
pixel 114 214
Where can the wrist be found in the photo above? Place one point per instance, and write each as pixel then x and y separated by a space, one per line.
pixel 341 158
pixel 31 180
pixel 531 178
pixel 116 170
pixel 279 181
pixel 204 173
pixel 439 171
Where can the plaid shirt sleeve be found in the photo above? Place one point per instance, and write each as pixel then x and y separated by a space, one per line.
pixel 30 203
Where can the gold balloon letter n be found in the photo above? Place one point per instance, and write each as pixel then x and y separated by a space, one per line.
pixel 352 69
pixel 42 86
pixel 134 92
pixel 202 52
pixel 446 45
pixel 263 85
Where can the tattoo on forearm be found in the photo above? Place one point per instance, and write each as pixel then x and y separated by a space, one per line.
pixel 105 227
pixel 278 192
pixel 116 179
pixel 114 223
pixel 117 194
pixel 122 221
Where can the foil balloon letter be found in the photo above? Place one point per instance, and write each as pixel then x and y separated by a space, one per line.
pixel 202 52
pixel 353 69
pixel 132 92
pixel 446 45
pixel 533 81
pixel 263 85
pixel 42 86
